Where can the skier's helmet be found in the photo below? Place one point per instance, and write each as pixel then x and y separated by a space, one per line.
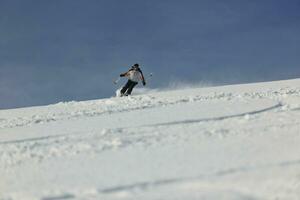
pixel 135 66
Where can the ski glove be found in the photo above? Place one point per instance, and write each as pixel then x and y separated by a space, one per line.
pixel 144 83
pixel 121 75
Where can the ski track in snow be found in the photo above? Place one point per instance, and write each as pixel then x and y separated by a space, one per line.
pixel 22 151
pixel 40 148
pixel 126 191
pixel 71 110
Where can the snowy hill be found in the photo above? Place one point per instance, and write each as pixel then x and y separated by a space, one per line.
pixel 230 142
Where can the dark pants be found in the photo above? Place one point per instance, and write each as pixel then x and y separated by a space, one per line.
pixel 127 89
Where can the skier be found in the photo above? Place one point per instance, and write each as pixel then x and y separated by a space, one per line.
pixel 134 75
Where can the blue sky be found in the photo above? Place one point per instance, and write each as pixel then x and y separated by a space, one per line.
pixel 61 50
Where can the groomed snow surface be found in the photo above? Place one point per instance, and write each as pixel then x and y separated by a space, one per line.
pixel 239 142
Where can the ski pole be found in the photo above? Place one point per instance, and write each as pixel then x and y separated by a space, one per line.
pixel 150 76
pixel 117 80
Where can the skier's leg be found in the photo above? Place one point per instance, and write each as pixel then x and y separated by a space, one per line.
pixel 132 85
pixel 127 85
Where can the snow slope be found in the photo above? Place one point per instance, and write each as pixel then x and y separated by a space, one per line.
pixel 229 142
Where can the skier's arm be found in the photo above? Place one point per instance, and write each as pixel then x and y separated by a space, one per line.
pixel 142 77
pixel 125 74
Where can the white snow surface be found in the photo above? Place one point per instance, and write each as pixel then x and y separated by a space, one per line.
pixel 236 142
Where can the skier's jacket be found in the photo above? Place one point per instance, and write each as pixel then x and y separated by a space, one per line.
pixel 135 75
